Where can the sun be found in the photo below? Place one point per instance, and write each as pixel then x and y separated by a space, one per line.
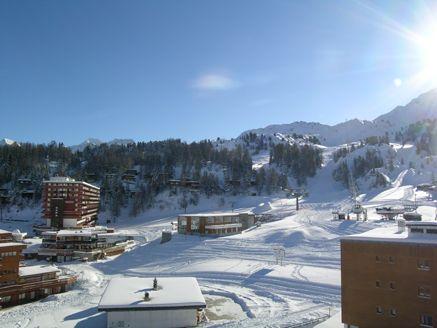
pixel 426 43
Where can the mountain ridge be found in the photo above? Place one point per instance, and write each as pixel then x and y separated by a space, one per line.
pixel 420 108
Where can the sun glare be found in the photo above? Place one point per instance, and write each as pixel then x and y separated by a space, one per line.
pixel 428 48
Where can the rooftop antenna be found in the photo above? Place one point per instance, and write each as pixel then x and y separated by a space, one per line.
pixel 155 284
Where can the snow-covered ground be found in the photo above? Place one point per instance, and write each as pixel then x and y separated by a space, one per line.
pixel 242 282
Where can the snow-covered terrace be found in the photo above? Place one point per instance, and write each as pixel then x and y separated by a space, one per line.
pixel 11 244
pixel 36 270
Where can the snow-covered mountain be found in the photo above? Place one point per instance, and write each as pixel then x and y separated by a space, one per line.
pixel 420 108
pixel 96 142
pixel 7 142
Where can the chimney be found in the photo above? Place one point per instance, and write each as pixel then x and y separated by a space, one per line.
pixel 155 284
pixel 401 225
pixel 146 296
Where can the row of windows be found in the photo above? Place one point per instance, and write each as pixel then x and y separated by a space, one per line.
pixel 7 283
pixel 392 312
pixel 425 319
pixel 379 259
pixel 8 254
pixel 422 291
pixel 422 264
pixel 22 296
pixel 9 271
pixel 378 284
pixel 421 230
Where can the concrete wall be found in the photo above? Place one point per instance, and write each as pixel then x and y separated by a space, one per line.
pixel 152 319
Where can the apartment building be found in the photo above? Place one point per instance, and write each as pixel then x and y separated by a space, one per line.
pixel 21 284
pixel 70 204
pixel 389 276
pixel 85 244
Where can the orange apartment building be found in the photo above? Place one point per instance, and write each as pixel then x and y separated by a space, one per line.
pixel 70 204
pixel 22 284
pixel 389 277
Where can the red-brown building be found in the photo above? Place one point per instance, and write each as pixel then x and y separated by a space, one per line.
pixel 389 277
pixel 22 284
pixel 70 204
pixel 215 223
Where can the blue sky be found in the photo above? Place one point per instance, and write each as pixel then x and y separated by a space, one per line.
pixel 200 69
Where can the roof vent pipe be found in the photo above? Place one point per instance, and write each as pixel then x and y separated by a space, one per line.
pixel 401 225
pixel 155 284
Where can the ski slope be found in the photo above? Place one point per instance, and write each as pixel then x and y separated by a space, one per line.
pixel 239 275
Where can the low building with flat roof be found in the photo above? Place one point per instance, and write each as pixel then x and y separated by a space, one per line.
pixel 389 276
pixel 170 302
pixel 215 223
pixel 90 243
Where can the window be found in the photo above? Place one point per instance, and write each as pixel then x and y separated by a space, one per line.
pixel 431 230
pixel 393 312
pixel 32 295
pixel 424 292
pixel 423 264
pixel 378 283
pixel 377 258
pixel 425 320
pixel 6 299
pixel 391 259
pixel 379 310
pixel 47 291
pixel 416 230
pixel 392 285
pixel 22 296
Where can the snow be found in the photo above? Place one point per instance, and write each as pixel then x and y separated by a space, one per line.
pixel 128 293
pixel 243 282
pixel 392 234
pixel 36 270
pixel 92 142
pixel 214 214
pixel 7 142
pixel 11 244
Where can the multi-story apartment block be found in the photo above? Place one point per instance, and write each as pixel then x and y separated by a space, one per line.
pixel 22 284
pixel 389 277
pixel 86 244
pixel 70 204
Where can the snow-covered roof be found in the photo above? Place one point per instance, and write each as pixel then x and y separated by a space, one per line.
pixel 68 180
pixel 173 292
pixel 392 234
pixel 215 214
pixel 4 231
pixel 36 270
pixel 86 232
pixel 11 244
pixel 224 226
pixel 71 233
